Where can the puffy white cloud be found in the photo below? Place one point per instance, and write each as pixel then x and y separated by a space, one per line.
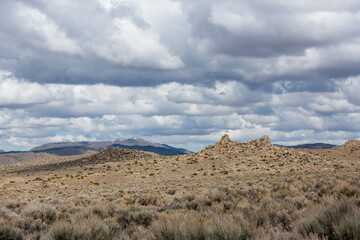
pixel 15 93
pixel 128 44
pixel 49 36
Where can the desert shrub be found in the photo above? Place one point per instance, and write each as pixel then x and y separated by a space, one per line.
pixel 348 227
pixel 104 211
pixel 45 212
pixel 203 203
pixel 334 222
pixel 110 210
pixel 189 197
pixel 193 205
pixel 8 232
pixel 30 226
pixel 349 191
pixel 13 205
pixel 148 199
pixel 279 234
pixel 90 229
pixel 135 216
pixel 260 217
pixel 6 214
pixel 171 191
pixel 179 227
pixel 99 211
pixel 216 196
pixel 176 203
pixel 284 219
pixel 227 228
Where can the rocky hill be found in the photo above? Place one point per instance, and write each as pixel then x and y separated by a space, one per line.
pixel 109 154
pixel 351 147
pixel 259 154
pixel 116 154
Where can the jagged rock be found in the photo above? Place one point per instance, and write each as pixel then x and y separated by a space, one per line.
pixel 257 152
pixel 261 142
pixel 224 140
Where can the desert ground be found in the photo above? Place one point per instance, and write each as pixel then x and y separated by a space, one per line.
pixel 229 190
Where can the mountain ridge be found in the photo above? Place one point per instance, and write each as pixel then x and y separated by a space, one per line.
pixel 312 146
pixel 84 147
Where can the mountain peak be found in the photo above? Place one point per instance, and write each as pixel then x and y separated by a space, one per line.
pixel 225 139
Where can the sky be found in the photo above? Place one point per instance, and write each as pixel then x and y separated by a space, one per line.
pixel 179 72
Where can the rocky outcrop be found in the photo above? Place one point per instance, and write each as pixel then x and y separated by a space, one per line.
pixel 258 152
pixel 261 142
pixel 224 142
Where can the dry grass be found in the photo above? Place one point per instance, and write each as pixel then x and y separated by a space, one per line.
pixel 113 200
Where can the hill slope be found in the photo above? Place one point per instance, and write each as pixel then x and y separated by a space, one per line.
pixel 86 147
pixel 259 155
pixel 351 147
pixel 74 148
pixel 270 191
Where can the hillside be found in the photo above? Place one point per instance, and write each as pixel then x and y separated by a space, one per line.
pixel 109 154
pixel 15 157
pixel 351 147
pixel 260 155
pixel 88 147
pixel 73 148
pixel 249 190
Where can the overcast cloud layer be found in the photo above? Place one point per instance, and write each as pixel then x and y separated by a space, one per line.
pixel 179 72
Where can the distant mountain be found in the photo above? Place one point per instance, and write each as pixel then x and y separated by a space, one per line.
pixel 314 146
pixel 165 151
pixel 67 151
pixel 78 148
pixel 1 151
pixel 75 148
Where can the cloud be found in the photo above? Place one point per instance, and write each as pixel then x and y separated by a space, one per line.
pixel 350 89
pixel 173 113
pixel 128 43
pixel 178 71
pixel 47 34
pixel 15 93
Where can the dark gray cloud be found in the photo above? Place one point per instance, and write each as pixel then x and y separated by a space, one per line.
pixel 134 43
